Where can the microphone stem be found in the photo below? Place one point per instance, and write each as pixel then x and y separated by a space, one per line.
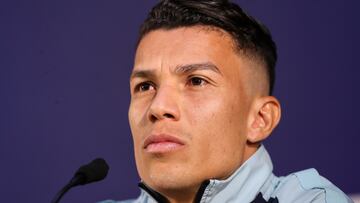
pixel 73 182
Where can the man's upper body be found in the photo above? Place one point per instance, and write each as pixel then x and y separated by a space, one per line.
pixel 201 104
pixel 255 182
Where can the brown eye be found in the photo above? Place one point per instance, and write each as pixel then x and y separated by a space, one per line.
pixel 144 86
pixel 197 81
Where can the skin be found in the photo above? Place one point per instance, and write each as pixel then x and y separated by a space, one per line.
pixel 192 84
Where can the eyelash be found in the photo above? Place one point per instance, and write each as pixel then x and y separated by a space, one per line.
pixel 140 85
pixel 190 80
pixel 203 81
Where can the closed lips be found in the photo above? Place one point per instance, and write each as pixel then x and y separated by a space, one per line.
pixel 153 139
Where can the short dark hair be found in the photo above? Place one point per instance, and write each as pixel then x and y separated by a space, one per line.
pixel 249 35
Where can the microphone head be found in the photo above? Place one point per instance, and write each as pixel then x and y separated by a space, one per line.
pixel 92 172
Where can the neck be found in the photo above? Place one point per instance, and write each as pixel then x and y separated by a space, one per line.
pixel 190 195
pixel 194 194
pixel 180 196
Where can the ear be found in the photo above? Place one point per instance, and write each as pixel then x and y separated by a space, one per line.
pixel 265 113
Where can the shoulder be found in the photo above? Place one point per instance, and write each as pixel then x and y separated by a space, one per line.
pixel 308 186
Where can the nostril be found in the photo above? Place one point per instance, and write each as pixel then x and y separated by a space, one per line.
pixel 153 118
pixel 167 115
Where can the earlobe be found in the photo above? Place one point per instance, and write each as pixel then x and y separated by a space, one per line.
pixel 265 116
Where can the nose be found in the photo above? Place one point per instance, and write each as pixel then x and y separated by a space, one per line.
pixel 164 105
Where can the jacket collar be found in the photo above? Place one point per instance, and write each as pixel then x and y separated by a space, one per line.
pixel 243 185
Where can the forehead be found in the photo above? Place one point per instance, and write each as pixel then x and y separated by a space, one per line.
pixel 161 48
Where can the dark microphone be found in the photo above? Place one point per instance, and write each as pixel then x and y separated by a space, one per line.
pixel 92 172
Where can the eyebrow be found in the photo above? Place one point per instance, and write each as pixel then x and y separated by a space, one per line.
pixel 180 69
pixel 142 74
pixel 188 68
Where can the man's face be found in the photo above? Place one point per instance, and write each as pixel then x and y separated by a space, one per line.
pixel 189 108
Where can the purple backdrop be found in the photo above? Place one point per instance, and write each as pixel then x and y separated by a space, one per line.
pixel 64 68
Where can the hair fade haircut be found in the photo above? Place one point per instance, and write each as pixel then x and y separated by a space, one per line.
pixel 249 35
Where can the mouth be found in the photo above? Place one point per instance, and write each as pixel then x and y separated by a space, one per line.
pixel 162 143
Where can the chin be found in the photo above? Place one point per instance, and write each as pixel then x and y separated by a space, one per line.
pixel 169 178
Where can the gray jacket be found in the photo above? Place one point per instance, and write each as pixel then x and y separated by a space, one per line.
pixel 255 182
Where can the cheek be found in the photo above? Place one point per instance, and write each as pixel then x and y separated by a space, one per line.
pixel 136 110
pixel 134 120
pixel 217 127
pixel 135 115
pixel 215 118
pixel 215 113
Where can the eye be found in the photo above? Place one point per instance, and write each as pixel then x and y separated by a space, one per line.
pixel 197 81
pixel 144 86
